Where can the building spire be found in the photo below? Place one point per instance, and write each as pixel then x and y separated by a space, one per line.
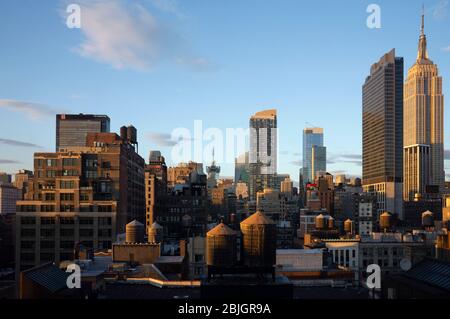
pixel 422 52
pixel 422 29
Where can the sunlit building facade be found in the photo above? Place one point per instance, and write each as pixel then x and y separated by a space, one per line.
pixel 424 119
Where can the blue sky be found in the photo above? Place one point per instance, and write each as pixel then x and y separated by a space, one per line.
pixel 161 64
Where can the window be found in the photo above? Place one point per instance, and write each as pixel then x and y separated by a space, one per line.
pixel 91 163
pixel 67 208
pixel 104 232
pixel 67 244
pixel 67 232
pixel 66 196
pixel 86 221
pixel 40 163
pixel 49 196
pixel 47 244
pixel 47 232
pixel 47 221
pixel 45 257
pixel 27 244
pixel 27 257
pixel 104 221
pixel 67 184
pixel 70 172
pixel 28 232
pixel 28 220
pixel 104 208
pixel 86 232
pixel 69 162
pixel 91 174
pixel 105 187
pixel 67 221
pixel 86 208
pixel 51 162
pixel 50 174
pixel 84 196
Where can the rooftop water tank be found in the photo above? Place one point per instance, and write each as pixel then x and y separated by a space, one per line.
pixel 259 237
pixel 221 246
pixel 134 232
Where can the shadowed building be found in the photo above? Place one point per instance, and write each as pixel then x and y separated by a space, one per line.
pixel 382 146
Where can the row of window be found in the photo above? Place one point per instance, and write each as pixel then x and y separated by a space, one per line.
pixel 28 220
pixel 63 233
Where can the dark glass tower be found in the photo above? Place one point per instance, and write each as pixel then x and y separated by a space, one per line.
pixel 72 129
pixel 382 132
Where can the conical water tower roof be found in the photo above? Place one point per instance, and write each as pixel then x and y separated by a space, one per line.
pixel 135 223
pixel 258 218
pixel 221 230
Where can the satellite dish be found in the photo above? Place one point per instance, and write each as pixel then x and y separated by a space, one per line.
pixel 405 264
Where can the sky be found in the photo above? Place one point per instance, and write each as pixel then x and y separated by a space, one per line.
pixel 164 64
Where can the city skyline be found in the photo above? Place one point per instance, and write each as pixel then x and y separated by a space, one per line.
pixel 295 99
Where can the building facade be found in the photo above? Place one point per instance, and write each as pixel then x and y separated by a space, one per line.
pixel 72 129
pixel 424 117
pixel 382 132
pixel 263 152
pixel 84 195
pixel 312 137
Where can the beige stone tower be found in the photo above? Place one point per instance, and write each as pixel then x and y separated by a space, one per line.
pixel 423 115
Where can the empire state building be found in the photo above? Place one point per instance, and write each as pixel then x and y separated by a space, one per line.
pixel 423 125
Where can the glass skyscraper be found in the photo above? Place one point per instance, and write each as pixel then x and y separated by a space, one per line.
pixel 382 144
pixel 312 137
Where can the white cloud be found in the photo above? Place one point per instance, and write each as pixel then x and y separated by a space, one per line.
pixel 169 6
pixel 440 10
pixel 127 35
pixel 10 142
pixel 447 49
pixel 34 111
pixel 164 139
pixel 161 139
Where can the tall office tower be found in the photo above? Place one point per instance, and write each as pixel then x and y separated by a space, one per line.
pixel 263 152
pixel 318 160
pixel 72 129
pixel 155 185
pixel 311 137
pixel 424 116
pixel 382 131
pixel 241 168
